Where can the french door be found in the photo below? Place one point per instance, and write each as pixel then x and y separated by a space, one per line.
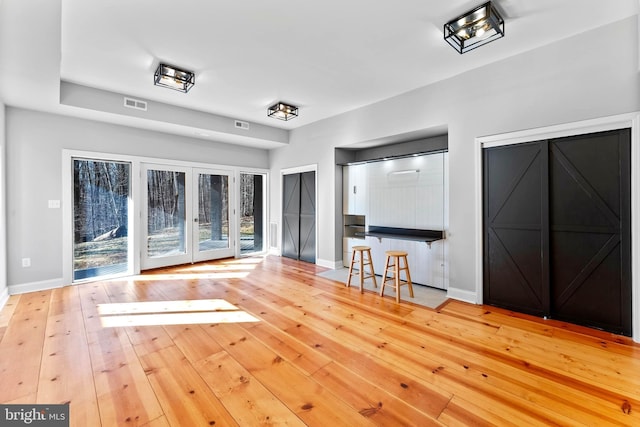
pixel 186 215
pixel 212 224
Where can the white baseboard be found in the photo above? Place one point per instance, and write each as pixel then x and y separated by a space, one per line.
pixel 4 297
pixel 334 265
pixel 36 286
pixel 462 295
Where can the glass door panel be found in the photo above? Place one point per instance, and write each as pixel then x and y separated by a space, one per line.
pixel 252 213
pixel 101 196
pixel 167 209
pixel 213 222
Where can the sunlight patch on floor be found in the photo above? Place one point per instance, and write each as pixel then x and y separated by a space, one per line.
pixel 149 277
pixel 239 268
pixel 158 313
pixel 204 269
pixel 165 306
pixel 252 260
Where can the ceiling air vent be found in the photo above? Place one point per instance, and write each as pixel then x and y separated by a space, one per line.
pixel 241 125
pixel 136 104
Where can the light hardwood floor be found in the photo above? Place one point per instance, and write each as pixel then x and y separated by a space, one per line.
pixel 298 349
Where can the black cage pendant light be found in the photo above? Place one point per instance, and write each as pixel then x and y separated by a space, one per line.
pixel 174 78
pixel 475 28
pixel 282 111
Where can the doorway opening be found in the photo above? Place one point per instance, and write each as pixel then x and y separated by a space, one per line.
pixel 101 198
pixel 252 212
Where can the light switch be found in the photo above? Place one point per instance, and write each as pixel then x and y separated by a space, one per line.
pixel 54 204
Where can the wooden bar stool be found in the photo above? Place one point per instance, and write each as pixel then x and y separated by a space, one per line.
pixel 360 259
pixel 392 264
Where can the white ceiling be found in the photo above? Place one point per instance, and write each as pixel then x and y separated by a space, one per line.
pixel 326 57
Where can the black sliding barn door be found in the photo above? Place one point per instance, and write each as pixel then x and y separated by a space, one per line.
pixel 299 216
pixel 308 217
pixel 291 216
pixel 591 230
pixel 558 229
pixel 515 221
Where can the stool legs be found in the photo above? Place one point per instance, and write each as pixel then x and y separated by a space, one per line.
pixel 406 269
pixel 353 261
pixel 361 251
pixel 395 268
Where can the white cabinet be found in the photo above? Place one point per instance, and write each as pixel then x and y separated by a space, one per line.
pixel 429 264
pixel 355 189
pixel 409 247
pixel 378 247
pixel 377 251
pixel 347 246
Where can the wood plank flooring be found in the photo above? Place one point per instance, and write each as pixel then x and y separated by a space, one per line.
pixel 264 341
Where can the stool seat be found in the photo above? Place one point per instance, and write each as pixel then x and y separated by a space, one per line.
pixel 393 265
pixel 396 253
pixel 361 256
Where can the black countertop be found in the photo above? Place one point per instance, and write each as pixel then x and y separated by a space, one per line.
pixel 415 234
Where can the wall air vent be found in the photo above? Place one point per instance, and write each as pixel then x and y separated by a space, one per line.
pixel 136 104
pixel 241 125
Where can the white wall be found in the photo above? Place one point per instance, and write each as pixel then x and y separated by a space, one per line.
pixel 34 144
pixel 220 127
pixel 4 290
pixel 591 75
pixel 313 153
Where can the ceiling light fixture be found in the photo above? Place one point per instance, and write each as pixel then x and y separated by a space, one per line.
pixel 475 28
pixel 282 111
pixel 174 78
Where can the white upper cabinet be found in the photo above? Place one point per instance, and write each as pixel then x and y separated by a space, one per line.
pixel 355 189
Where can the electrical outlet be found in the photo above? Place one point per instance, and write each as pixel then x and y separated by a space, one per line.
pixel 54 204
pixel 26 262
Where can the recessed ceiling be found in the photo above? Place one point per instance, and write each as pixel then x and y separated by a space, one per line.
pixel 325 57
